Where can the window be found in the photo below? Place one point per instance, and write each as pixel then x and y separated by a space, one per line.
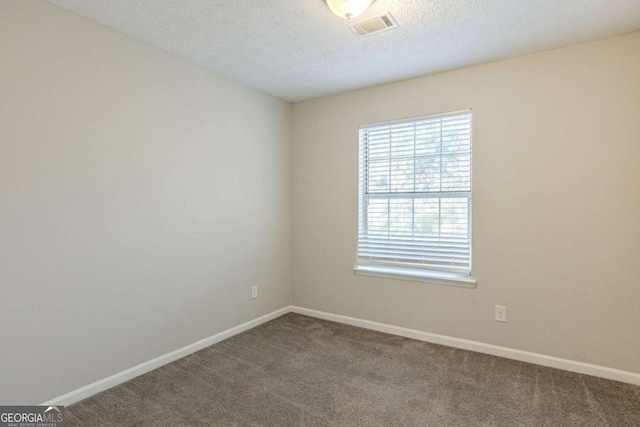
pixel 415 199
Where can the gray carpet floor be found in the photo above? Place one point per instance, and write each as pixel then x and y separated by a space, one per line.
pixel 301 371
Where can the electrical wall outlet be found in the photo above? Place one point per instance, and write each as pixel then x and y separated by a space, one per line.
pixel 254 292
pixel 501 313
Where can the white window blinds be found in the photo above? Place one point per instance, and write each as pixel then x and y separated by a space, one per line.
pixel 415 194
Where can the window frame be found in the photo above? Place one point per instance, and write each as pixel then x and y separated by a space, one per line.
pixel 414 274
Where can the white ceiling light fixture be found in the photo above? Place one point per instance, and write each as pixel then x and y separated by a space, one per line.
pixel 348 9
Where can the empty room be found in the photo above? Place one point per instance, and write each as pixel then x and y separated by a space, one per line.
pixel 319 213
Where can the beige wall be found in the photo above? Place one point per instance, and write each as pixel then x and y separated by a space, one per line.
pixel 140 198
pixel 556 210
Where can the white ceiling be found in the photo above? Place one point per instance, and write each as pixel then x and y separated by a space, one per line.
pixel 297 49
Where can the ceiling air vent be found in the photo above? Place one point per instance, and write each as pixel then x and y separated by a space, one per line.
pixel 374 25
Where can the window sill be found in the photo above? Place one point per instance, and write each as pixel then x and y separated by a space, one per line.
pixel 436 277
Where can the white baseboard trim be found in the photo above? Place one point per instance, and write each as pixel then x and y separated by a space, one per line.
pixel 112 381
pixel 509 353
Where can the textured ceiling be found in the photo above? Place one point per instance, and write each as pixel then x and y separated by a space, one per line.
pixel 297 49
